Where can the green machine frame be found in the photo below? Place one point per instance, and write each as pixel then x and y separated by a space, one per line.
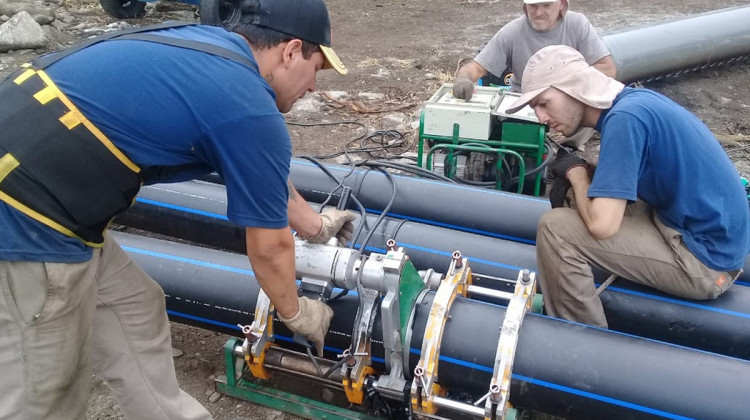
pixel 519 139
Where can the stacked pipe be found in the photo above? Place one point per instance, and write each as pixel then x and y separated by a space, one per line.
pixel 195 211
pixel 561 368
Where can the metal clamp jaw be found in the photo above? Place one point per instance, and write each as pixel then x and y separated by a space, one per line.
pixel 424 387
pixel 393 278
pixel 259 336
pixel 518 306
pixel 356 369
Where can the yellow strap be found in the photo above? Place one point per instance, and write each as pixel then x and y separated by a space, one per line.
pixel 23 76
pixel 45 95
pixel 44 219
pixel 7 164
pixel 70 120
pixel 90 126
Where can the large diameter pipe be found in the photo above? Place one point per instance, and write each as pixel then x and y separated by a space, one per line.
pixel 194 211
pixel 478 210
pixel 494 213
pixel 680 45
pixel 561 368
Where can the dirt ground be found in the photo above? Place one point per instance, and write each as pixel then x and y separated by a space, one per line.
pixel 398 53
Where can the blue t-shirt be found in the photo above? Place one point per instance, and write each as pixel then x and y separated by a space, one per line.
pixel 656 150
pixel 164 105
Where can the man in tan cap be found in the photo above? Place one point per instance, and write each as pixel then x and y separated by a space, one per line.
pixel 665 207
pixel 544 23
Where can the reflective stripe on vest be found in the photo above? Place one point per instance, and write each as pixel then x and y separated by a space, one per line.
pixel 55 165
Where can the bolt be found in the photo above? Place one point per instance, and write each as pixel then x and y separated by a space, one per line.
pixel 525 276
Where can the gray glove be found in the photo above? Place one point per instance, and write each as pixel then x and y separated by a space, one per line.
pixel 334 223
pixel 311 321
pixel 463 87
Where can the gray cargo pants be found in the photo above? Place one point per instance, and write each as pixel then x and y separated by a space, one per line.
pixel 644 250
pixel 57 320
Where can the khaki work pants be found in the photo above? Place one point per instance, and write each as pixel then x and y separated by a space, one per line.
pixel 644 250
pixel 57 321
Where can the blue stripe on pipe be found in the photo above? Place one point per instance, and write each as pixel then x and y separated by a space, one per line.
pixel 681 302
pixel 189 260
pixel 181 208
pixel 203 320
pixel 210 265
pixel 602 398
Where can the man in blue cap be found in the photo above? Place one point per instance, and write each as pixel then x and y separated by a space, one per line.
pixel 83 128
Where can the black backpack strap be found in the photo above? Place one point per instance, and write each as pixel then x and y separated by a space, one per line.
pixel 46 60
pixel 192 45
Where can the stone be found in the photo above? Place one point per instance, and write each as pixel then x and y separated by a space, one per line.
pixel 214 397
pixel 20 32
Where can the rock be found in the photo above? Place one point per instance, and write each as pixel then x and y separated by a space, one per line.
pixel 372 96
pixel 396 120
pixel 176 352
pixel 214 397
pixel 310 103
pixel 40 14
pixel 56 38
pixel 21 31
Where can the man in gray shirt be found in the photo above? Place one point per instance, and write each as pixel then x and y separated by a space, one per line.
pixel 544 23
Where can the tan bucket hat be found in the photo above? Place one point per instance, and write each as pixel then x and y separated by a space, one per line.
pixel 564 68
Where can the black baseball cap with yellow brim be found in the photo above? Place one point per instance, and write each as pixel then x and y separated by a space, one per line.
pixel 307 20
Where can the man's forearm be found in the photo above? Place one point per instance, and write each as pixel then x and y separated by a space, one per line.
pixel 602 216
pixel 271 253
pixel 302 217
pixel 472 70
pixel 607 66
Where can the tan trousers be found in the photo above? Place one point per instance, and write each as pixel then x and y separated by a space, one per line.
pixel 644 250
pixel 57 321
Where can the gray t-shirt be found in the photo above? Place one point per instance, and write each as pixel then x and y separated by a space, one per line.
pixel 517 41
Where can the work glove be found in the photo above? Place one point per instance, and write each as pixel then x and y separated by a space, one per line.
pixel 565 162
pixel 336 223
pixel 311 321
pixel 463 87
pixel 558 191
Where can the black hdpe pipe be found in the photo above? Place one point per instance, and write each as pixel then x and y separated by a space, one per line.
pixel 459 207
pixel 561 368
pixel 486 212
pixel 194 211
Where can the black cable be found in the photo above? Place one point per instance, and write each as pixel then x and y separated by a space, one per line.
pixel 383 213
pixel 326 123
pixel 339 295
pixel 314 361
pixel 384 140
pixel 336 365
pixel 352 196
pixel 406 168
